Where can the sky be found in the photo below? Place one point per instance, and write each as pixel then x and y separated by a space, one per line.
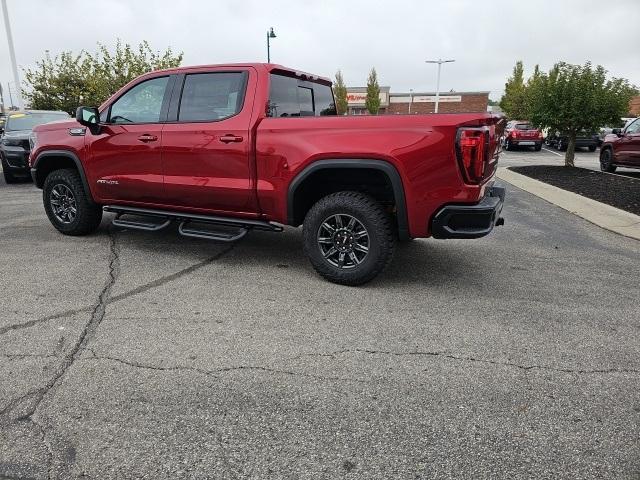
pixel 485 38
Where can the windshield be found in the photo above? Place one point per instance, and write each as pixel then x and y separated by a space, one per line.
pixel 26 121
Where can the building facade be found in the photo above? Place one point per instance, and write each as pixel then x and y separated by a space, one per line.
pixel 418 102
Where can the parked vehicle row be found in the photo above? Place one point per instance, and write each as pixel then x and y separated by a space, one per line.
pixel 14 140
pixel 561 142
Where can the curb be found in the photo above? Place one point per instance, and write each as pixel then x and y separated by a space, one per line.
pixel 600 214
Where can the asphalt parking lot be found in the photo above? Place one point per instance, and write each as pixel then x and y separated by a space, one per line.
pixel 137 355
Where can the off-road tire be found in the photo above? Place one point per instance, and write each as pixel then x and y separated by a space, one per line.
pixel 606 157
pixel 88 214
pixel 8 176
pixel 371 215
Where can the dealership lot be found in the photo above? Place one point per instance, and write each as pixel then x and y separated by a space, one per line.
pixel 126 354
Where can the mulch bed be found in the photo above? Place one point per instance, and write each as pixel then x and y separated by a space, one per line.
pixel 617 191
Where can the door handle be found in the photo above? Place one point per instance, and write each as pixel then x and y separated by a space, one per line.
pixel 229 138
pixel 147 138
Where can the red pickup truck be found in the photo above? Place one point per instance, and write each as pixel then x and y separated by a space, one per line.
pixel 224 149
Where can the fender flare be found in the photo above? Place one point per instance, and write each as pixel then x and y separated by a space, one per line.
pixel 386 167
pixel 61 153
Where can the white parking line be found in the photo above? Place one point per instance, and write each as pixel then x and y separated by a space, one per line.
pixel 551 151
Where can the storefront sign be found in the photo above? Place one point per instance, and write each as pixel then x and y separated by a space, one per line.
pixel 427 99
pixel 359 98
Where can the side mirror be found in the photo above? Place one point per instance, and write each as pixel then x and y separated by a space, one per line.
pixel 89 117
pixel 617 131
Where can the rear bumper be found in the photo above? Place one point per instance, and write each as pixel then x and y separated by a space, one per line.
pixel 469 221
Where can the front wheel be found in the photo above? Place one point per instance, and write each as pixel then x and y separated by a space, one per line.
pixel 592 148
pixel 348 237
pixel 68 206
pixel 606 159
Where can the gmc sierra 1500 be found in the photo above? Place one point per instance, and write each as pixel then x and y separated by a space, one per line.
pixel 224 149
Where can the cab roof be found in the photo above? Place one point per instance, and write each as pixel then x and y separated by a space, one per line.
pixel 269 67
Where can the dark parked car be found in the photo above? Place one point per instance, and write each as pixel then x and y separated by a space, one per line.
pixel 14 142
pixel 621 148
pixel 584 140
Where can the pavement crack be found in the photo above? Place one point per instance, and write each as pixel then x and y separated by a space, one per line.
pixel 469 359
pixel 116 298
pixel 35 396
pixel 215 371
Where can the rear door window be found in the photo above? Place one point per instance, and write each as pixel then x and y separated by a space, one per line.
pixel 291 97
pixel 212 96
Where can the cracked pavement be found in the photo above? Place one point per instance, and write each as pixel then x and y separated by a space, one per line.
pixel 139 355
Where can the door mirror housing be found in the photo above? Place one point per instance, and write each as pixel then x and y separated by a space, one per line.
pixel 89 117
pixel 617 131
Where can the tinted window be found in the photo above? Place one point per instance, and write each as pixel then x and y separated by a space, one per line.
pixel 633 127
pixel 211 96
pixel 290 97
pixel 26 121
pixel 141 104
pixel 524 126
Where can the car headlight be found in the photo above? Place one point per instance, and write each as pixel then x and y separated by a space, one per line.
pixel 33 140
pixel 11 142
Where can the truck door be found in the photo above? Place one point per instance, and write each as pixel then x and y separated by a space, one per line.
pixel 628 148
pixel 207 145
pixel 124 161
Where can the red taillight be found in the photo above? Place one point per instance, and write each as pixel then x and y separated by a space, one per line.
pixel 472 151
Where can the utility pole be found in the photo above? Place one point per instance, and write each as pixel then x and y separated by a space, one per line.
pixel 12 54
pixel 439 62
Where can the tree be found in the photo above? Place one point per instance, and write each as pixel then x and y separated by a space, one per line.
pixel 68 80
pixel 513 101
pixel 372 101
pixel 571 99
pixel 340 92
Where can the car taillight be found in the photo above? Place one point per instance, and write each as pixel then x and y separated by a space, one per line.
pixel 472 151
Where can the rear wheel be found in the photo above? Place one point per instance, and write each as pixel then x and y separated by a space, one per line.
pixel 68 206
pixel 508 145
pixel 592 148
pixel 348 237
pixel 538 147
pixel 606 159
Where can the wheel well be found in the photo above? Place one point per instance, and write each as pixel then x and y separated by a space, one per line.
pixel 48 164
pixel 326 181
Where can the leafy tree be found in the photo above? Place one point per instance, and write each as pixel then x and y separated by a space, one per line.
pixel 513 101
pixel 340 92
pixel 571 99
pixel 372 101
pixel 66 81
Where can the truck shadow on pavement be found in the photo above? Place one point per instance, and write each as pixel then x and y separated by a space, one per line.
pixel 424 262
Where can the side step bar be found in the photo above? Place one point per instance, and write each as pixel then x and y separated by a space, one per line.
pixel 243 225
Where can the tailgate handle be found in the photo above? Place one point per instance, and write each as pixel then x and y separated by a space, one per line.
pixel 229 138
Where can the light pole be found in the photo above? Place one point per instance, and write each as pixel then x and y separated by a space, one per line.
pixel 439 62
pixel 270 34
pixel 12 53
pixel 410 99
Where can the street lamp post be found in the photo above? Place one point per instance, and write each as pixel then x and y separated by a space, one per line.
pixel 12 53
pixel 439 62
pixel 410 98
pixel 270 34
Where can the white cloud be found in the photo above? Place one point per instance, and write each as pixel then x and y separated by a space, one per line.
pixel 485 38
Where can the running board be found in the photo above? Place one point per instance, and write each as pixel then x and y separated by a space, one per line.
pixel 243 224
pixel 218 236
pixel 139 225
